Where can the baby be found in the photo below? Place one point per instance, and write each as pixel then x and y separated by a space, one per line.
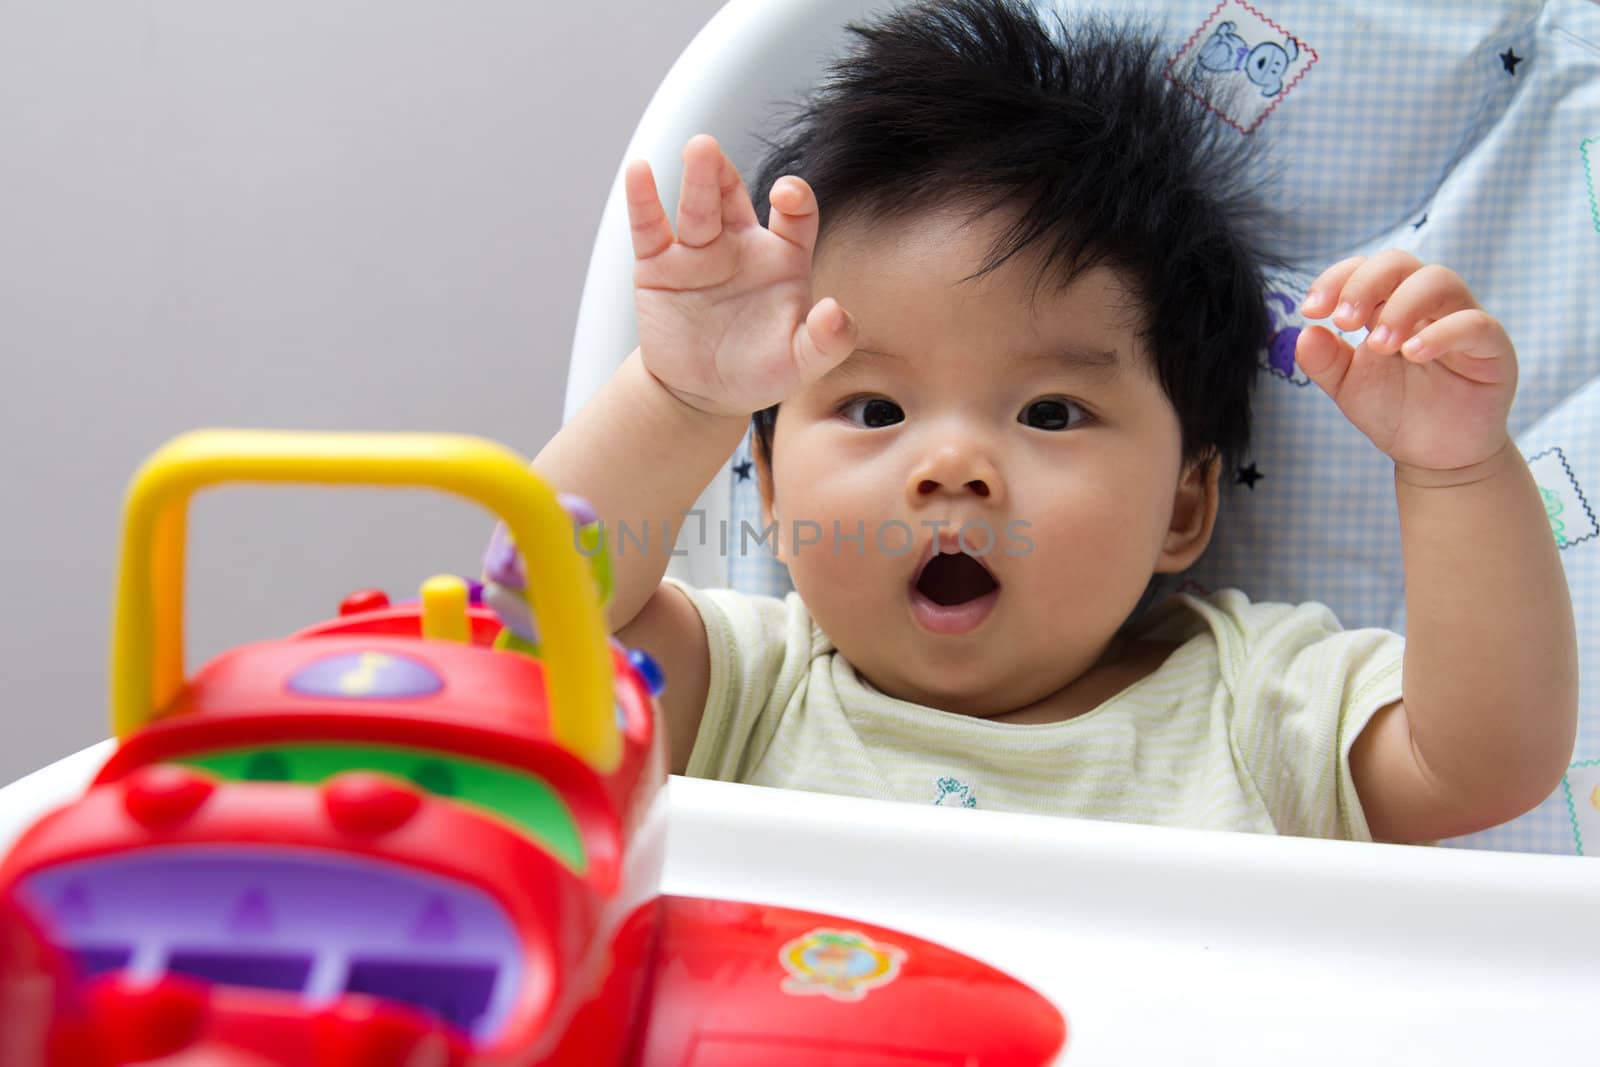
pixel 997 336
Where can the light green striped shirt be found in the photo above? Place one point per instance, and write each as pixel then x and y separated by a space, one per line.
pixel 1246 726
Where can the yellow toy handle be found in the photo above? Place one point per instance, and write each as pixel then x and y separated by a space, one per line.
pixel 147 670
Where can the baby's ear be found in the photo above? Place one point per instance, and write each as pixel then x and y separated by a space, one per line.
pixel 1194 514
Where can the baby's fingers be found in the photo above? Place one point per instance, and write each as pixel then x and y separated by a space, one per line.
pixel 1370 286
pixel 1325 357
pixel 1323 295
pixel 1480 345
pixel 823 340
pixel 647 222
pixel 1430 294
pixel 700 198
pixel 1373 286
pixel 794 212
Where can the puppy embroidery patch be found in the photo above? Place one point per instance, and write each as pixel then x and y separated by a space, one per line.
pixel 1571 519
pixel 953 793
pixel 1241 64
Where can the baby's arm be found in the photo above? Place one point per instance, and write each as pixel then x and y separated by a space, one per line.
pixel 1487 721
pixel 727 327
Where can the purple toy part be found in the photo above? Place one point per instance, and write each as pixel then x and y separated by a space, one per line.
pixel 501 563
pixel 513 611
pixel 370 675
pixel 288 920
pixel 579 508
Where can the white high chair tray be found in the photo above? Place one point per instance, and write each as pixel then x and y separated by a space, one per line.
pixel 1161 946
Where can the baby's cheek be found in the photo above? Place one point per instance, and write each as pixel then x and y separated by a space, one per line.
pixel 851 597
pixel 1092 550
pixel 844 564
pixel 860 567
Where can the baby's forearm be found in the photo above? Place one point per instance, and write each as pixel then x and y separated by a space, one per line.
pixel 641 457
pixel 1491 675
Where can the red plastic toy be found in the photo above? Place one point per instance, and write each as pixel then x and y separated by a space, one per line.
pixel 386 842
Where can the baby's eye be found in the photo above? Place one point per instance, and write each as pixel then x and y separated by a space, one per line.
pixel 874 412
pixel 1053 413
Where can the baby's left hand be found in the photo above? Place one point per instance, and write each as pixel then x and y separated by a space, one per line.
pixel 1432 383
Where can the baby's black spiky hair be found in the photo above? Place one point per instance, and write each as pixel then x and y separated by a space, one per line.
pixel 981 104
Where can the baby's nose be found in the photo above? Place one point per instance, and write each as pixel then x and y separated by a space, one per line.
pixel 955 469
pixel 930 485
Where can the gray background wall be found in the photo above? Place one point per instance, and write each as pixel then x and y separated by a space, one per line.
pixel 368 214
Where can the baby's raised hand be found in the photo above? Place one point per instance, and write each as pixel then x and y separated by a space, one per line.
pixel 1432 383
pixel 726 320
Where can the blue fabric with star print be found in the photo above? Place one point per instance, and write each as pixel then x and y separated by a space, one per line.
pixel 1469 135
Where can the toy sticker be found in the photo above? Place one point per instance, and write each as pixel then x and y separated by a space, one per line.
pixel 839 964
pixel 1582 784
pixel 372 675
pixel 1571 519
pixel 1240 64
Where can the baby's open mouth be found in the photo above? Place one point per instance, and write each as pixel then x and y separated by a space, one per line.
pixel 951 578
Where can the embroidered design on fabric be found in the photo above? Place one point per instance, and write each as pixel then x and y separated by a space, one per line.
pixel 953 793
pixel 1248 477
pixel 1283 333
pixel 1240 64
pixel 1509 60
pixel 1572 521
pixel 1589 150
pixel 1582 787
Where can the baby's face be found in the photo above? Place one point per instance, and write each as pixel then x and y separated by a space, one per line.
pixel 1040 429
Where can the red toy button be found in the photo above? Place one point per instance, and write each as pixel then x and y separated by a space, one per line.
pixel 367 804
pixel 358 1034
pixel 139 1023
pixel 165 795
pixel 364 600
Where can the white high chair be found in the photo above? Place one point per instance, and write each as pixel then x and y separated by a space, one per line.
pixel 1160 945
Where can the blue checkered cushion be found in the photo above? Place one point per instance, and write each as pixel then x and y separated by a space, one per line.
pixel 1470 135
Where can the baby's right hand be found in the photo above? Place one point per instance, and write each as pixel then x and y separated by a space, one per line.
pixel 726 322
